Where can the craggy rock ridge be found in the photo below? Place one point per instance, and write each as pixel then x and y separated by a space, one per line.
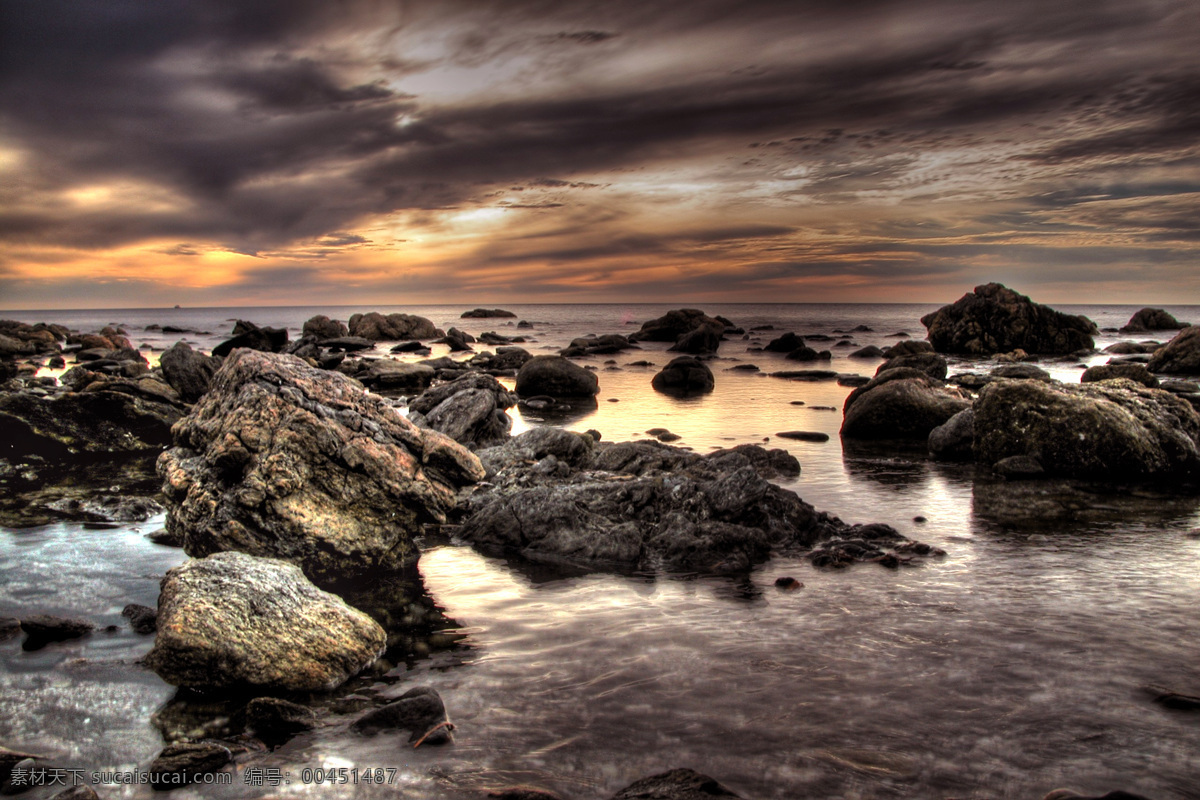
pixel 995 319
pixel 1114 429
pixel 640 505
pixel 233 620
pixel 282 459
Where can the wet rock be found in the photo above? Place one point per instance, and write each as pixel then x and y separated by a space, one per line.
pixel 901 403
pixel 393 327
pixel 348 344
pixel 788 584
pixel 47 628
pixel 457 341
pixel 188 372
pixel 1170 698
pixel 487 313
pixel 596 345
pixel 678 784
pixel 419 711
pixel 875 543
pixel 1181 355
pixel 954 440
pixel 674 324
pixel 1107 372
pixel 282 459
pixel 1152 319
pixel 1019 467
pixel 804 436
pixel 102 421
pixel 769 464
pixel 108 508
pixel 322 327
pixel 166 538
pixel 535 445
pixel 931 364
pixel 469 409
pixel 870 351
pixel 995 319
pixel 909 348
pixel 504 359
pixel 9 627
pixel 143 619
pixel 808 354
pixel 1021 372
pixel 555 376
pixel 853 381
pixel 251 337
pixel 183 763
pixel 275 720
pixel 386 375
pixel 235 621
pixel 683 376
pixel 1132 348
pixel 702 340
pixel 1116 429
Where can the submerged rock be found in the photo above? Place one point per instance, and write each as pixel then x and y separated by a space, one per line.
pixel 275 720
pixel 183 763
pixel 1112 429
pixel 282 459
pixel 419 711
pixel 995 319
pixel 47 628
pixel 235 621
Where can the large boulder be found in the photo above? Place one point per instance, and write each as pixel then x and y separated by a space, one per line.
pixel 1179 356
pixel 101 421
pixel 235 621
pixel 703 339
pixel 684 376
pixel 323 327
pixel 995 319
pixel 1152 319
pixel 188 372
pixel 470 410
pixel 393 327
pixel 1112 429
pixel 902 403
pixel 555 376
pixel 674 324
pixel 286 460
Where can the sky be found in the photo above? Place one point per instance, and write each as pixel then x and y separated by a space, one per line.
pixel 300 152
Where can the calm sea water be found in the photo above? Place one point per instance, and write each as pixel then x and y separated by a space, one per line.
pixel 1009 668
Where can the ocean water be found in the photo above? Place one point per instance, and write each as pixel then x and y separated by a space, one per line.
pixel 1010 667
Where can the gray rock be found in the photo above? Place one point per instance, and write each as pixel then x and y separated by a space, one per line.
pixel 386 375
pixel 954 440
pixel 393 327
pixel 1152 319
pixel 1113 429
pixel 555 376
pixel 235 621
pixel 683 376
pixel 282 459
pixel 323 327
pixel 536 444
pixel 995 319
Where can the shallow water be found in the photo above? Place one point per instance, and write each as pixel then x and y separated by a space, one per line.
pixel 1008 668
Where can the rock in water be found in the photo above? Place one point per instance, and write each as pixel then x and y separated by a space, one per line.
pixel 281 459
pixel 555 376
pixel 470 410
pixel 85 422
pixel 419 711
pixel 1152 319
pixel 393 327
pixel 276 720
pixel 323 327
pixel 678 784
pixel 234 621
pixel 1181 355
pixel 995 319
pixel 187 371
pixel 901 403
pixel 1113 429
pixel 182 763
pixel 684 375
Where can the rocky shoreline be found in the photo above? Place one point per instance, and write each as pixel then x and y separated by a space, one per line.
pixel 292 480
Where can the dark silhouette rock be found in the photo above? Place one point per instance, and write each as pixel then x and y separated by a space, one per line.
pixel 323 327
pixel 386 375
pixel 235 621
pixel 275 720
pixel 251 337
pixel 47 628
pixel 1179 356
pixel 100 421
pixel 785 344
pixel 596 345
pixel 870 351
pixel 1112 429
pixel 995 319
pixel 1152 319
pixel 701 340
pixel 142 619
pixel 684 375
pixel 487 313
pixel 931 364
pixel 555 376
pixel 182 763
pixel 1020 372
pixel 187 372
pixel 282 459
pixel 674 324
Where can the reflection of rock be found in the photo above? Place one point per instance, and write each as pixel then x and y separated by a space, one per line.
pixel 1111 429
pixel 995 319
pixel 282 459
pixel 237 621
pixel 1050 501
pixel 39 493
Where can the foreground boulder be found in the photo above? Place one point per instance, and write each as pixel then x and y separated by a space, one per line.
pixel 1152 319
pixel 286 460
pixel 234 621
pixel 1112 429
pixel 555 376
pixel 393 327
pixel 902 403
pixel 684 376
pixel 995 319
pixel 1180 356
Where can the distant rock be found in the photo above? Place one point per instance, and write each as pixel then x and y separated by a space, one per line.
pixel 785 344
pixel 674 324
pixel 1113 429
pixel 386 375
pixel 1152 319
pixel 486 313
pixel 323 327
pixel 995 319
pixel 682 376
pixel 702 340
pixel 555 376
pixel 235 621
pixel 393 327
pixel 347 344
pixel 1179 356
pixel 870 351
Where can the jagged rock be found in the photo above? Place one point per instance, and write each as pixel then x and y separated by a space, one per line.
pixel 1181 355
pixel 535 445
pixel 505 358
pixel 931 364
pixel 108 507
pixel 954 440
pixel 555 376
pixel 102 421
pixel 470 410
pixel 1152 319
pixel 1106 372
pixel 769 464
pixel 419 711
pixel 236 621
pixel 1112 429
pixel 902 403
pixel 323 327
pixel 678 784
pixel 995 319
pixel 393 327
pixel 188 372
pixel 282 459
pixel 684 375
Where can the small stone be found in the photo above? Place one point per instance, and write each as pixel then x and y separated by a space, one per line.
pixel 142 619
pixel 788 584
